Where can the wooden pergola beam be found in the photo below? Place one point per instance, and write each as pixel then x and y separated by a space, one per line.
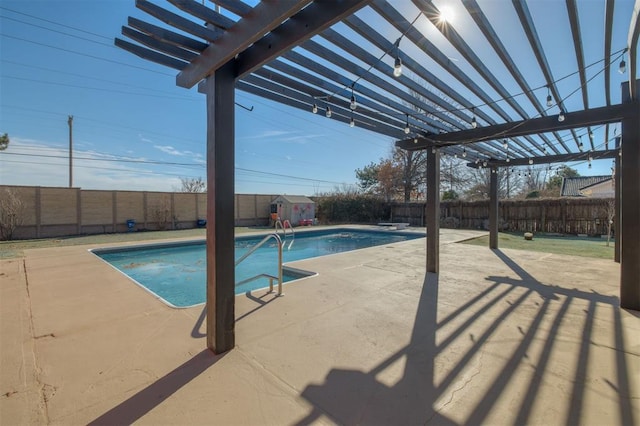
pixel 310 21
pixel 590 117
pixel 167 36
pixel 150 55
pixel 632 45
pixel 178 21
pixel 265 17
pixel 550 159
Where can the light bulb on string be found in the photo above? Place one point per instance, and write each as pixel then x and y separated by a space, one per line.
pixel 406 127
pixel 397 65
pixel 549 99
pixel 580 144
pixel 623 67
pixel 561 116
pixel 530 160
pixel 353 105
pixel 474 123
pixel 505 144
pixel 328 113
pixel 315 108
pixel 464 152
pixel 352 122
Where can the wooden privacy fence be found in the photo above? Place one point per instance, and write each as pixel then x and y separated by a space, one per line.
pixel 558 215
pixel 53 212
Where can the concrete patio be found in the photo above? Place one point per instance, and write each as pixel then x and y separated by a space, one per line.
pixel 498 337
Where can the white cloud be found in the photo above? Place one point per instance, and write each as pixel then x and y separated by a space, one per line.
pixel 168 149
pixel 34 163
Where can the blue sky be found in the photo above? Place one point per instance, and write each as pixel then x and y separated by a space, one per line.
pixel 134 129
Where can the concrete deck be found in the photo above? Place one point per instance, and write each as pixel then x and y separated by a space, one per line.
pixel 498 337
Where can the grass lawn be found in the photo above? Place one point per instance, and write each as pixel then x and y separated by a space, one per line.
pixel 11 249
pixel 572 245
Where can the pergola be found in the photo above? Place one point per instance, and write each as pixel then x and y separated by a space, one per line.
pixel 372 63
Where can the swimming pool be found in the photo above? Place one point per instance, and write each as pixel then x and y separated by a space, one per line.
pixel 176 272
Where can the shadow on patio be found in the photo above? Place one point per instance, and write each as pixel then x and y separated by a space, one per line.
pixel 435 374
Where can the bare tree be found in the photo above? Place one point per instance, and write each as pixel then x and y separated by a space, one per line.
pixel 192 184
pixel 610 211
pixel 12 211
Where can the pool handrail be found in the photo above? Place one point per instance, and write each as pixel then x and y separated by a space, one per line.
pixel 256 247
pixel 284 225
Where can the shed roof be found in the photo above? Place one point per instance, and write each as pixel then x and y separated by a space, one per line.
pixel 295 199
pixel 571 186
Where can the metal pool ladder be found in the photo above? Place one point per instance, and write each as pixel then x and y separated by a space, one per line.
pixel 279 243
pixel 284 225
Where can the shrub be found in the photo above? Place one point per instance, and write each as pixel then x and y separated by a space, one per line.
pixel 351 208
pixel 11 213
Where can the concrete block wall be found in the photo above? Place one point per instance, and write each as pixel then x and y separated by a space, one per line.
pixel 52 212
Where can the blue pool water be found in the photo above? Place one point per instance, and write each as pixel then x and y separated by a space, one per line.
pixel 177 274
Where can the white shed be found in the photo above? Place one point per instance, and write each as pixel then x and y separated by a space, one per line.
pixel 297 209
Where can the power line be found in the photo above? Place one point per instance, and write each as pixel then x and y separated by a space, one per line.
pixel 167 163
pixel 55 23
pixel 171 95
pixel 94 88
pixel 84 54
pixel 56 31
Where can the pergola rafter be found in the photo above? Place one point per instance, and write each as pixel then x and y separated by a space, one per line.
pixel 291 53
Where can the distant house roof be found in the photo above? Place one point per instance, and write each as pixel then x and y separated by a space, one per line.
pixel 294 199
pixel 572 186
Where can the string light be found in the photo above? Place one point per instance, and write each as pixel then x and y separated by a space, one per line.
pixel 353 105
pixel 464 152
pixel 549 100
pixel 328 113
pixel 315 108
pixel 561 116
pixel 530 160
pixel 406 127
pixel 397 65
pixel 474 123
pixel 580 145
pixel 352 122
pixel 505 144
pixel 590 135
pixel 623 67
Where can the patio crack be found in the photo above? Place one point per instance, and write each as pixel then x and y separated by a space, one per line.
pixel 45 391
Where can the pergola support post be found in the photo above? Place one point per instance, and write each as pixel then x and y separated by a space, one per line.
pixel 617 218
pixel 493 209
pixel 629 196
pixel 433 210
pixel 220 93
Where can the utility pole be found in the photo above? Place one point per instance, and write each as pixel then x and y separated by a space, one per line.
pixel 70 122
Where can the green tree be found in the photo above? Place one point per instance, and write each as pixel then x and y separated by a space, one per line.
pixel 4 142
pixel 368 177
pixel 555 182
pixel 450 195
